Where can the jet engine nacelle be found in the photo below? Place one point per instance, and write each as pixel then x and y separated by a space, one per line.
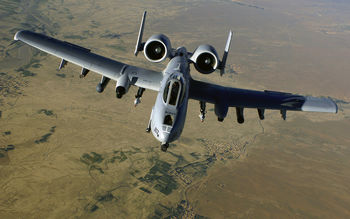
pixel 157 48
pixel 205 59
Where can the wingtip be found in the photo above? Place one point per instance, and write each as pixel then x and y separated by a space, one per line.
pixel 319 104
pixel 16 37
pixel 335 105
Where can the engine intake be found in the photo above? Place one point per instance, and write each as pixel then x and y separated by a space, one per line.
pixel 205 59
pixel 157 48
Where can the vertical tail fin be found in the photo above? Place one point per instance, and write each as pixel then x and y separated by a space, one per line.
pixel 224 57
pixel 139 43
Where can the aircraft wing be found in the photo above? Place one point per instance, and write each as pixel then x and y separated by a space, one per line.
pixel 242 98
pixel 90 61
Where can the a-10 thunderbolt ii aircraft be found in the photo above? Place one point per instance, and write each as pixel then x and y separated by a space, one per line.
pixel 174 84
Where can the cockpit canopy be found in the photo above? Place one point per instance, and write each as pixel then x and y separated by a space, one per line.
pixel 173 92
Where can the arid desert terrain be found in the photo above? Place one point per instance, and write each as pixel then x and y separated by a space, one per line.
pixel 67 151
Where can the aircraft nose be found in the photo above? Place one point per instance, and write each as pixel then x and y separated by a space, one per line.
pixel 164 137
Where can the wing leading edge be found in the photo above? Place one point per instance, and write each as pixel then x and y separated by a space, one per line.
pixel 242 98
pixel 85 58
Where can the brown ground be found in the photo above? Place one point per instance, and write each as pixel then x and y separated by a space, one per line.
pixel 82 154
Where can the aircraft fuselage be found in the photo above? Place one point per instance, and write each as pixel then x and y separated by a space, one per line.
pixel 169 112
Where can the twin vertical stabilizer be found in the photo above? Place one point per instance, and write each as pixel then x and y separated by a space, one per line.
pixel 139 43
pixel 224 57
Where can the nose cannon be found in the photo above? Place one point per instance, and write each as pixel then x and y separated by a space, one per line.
pixel 164 147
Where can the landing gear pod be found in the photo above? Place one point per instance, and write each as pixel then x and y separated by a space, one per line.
pixel 122 85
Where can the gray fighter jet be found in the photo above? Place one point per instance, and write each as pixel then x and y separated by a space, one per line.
pixel 174 84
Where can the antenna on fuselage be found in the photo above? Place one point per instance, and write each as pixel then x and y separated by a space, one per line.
pixel 139 43
pixel 224 57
